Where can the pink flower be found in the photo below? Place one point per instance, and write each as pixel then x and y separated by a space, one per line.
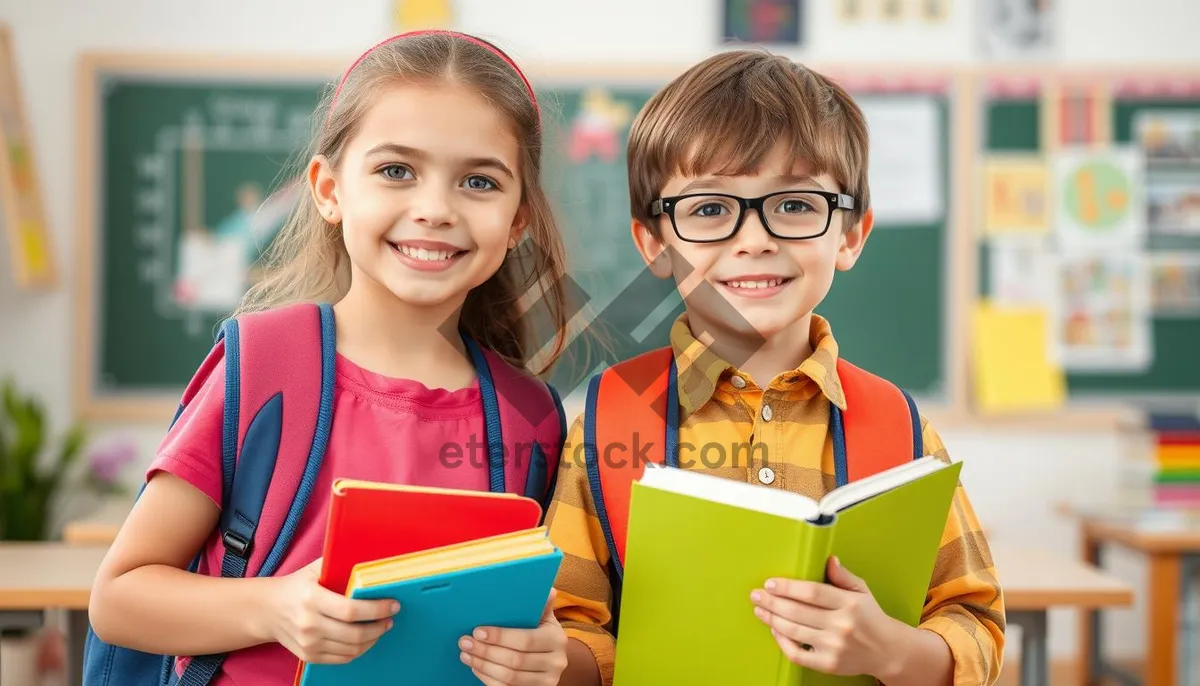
pixel 106 463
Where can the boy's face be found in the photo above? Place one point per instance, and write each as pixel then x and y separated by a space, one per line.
pixel 754 284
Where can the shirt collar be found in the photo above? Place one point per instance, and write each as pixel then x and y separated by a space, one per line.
pixel 700 370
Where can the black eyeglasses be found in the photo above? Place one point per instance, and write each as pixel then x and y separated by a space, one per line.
pixel 715 217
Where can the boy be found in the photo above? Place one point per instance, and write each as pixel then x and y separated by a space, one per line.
pixel 756 368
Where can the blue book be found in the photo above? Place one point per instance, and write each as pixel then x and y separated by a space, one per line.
pixel 445 594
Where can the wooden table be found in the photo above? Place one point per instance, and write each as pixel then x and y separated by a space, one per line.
pixel 1170 542
pixel 35 577
pixel 1036 580
pixel 100 527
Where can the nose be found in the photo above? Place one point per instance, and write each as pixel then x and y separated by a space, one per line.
pixel 432 205
pixel 752 237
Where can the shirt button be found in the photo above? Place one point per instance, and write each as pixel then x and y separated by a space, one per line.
pixel 737 381
pixel 766 475
pixel 767 413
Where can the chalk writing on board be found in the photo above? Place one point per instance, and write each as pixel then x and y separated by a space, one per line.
pixel 200 244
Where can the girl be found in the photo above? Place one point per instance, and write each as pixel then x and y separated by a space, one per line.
pixel 423 177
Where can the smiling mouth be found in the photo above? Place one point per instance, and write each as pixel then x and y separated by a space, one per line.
pixel 756 284
pixel 426 254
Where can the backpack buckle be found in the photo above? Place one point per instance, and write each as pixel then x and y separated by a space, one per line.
pixel 236 544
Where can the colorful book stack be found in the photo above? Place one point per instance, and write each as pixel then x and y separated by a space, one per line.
pixel 1177 456
pixel 454 559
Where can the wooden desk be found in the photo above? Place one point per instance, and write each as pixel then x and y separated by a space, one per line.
pixel 99 528
pixel 35 577
pixel 1170 541
pixel 1035 581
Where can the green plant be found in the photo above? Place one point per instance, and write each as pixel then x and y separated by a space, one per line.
pixel 28 481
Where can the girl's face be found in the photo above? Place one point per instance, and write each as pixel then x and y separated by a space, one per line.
pixel 428 192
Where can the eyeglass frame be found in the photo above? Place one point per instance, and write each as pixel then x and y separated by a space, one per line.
pixel 837 201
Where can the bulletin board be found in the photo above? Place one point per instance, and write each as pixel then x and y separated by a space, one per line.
pixel 1121 159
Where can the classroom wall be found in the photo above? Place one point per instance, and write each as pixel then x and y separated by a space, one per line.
pixel 1015 477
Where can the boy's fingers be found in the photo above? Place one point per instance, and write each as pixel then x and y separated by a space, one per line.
pixel 801 633
pixel 792 610
pixel 807 592
pixel 798 655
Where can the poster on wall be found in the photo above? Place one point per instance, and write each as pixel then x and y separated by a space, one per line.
pixel 1019 270
pixel 1102 312
pixel 1016 195
pixel 767 22
pixel 1099 199
pixel 1175 284
pixel 906 159
pixel 1015 29
pixel 1169 137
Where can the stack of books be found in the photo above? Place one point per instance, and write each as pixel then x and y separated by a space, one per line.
pixel 454 559
pixel 1177 461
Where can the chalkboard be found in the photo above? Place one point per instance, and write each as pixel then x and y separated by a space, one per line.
pixel 1015 121
pixel 889 313
pixel 178 154
pixel 183 186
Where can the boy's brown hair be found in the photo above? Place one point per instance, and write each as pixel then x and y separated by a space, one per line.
pixel 723 115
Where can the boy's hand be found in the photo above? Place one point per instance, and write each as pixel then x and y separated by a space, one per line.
pixel 836 628
pixel 518 657
pixel 320 626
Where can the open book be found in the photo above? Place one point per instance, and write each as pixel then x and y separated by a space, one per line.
pixel 699 544
pixel 786 503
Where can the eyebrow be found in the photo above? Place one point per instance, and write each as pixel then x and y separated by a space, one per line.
pixel 405 151
pixel 715 182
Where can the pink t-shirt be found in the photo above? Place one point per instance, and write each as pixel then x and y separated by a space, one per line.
pixel 384 429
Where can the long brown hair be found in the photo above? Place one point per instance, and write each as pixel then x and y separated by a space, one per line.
pixel 308 261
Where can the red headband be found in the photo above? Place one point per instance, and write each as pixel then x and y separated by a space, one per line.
pixel 441 32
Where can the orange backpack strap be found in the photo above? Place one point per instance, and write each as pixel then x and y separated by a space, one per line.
pixel 631 418
pixel 880 426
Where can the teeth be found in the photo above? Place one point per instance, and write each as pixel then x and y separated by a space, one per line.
pixel 425 255
pixel 769 283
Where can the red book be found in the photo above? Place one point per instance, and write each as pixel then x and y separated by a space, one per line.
pixel 1178 438
pixel 369 521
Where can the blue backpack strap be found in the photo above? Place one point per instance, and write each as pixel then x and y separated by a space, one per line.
pixel 552 470
pixel 246 481
pixel 491 416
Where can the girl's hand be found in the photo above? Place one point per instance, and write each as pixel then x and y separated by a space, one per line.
pixel 518 657
pixel 836 628
pixel 320 626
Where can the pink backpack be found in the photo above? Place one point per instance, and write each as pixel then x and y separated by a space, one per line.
pixel 279 382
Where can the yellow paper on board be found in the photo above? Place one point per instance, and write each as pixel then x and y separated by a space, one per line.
pixel 1012 371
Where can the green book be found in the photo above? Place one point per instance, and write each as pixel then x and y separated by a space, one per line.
pixel 698 544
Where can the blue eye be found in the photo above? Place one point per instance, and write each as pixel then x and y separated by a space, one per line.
pixel 396 172
pixel 480 183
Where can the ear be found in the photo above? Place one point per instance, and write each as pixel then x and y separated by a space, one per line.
pixel 520 225
pixel 323 186
pixel 652 249
pixel 852 241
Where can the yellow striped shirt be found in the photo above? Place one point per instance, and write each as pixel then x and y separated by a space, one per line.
pixel 721 410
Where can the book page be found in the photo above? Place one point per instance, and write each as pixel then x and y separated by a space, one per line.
pixel 857 491
pixel 729 492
